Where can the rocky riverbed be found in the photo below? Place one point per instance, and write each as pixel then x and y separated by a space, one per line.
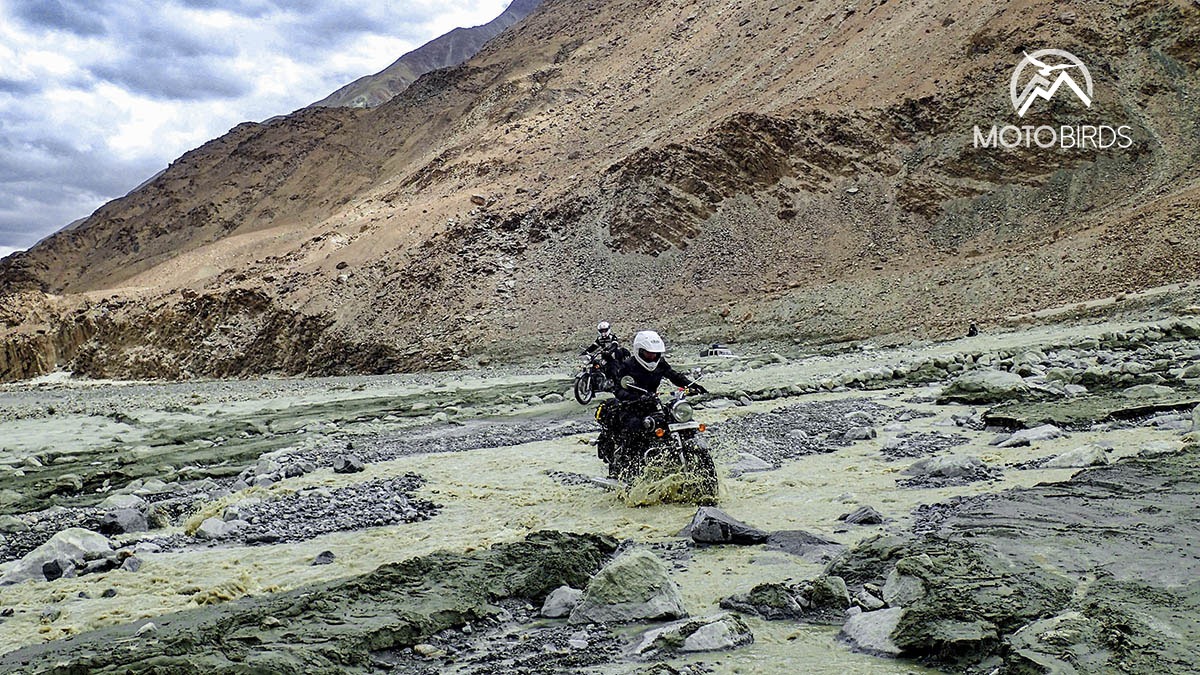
pixel 1021 502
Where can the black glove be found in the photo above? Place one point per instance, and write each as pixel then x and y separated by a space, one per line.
pixel 698 388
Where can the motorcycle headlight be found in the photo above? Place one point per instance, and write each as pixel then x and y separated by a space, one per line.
pixel 682 412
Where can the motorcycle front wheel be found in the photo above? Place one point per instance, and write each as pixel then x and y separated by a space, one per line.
pixel 583 389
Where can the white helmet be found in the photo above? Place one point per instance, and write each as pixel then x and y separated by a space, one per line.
pixel 602 328
pixel 648 349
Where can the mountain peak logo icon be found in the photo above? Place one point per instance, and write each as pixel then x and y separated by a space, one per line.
pixel 1052 70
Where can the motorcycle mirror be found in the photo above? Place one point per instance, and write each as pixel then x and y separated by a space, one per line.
pixel 628 382
pixel 697 373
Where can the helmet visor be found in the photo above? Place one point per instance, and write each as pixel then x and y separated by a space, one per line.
pixel 649 357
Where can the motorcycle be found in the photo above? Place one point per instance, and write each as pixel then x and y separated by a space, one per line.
pixel 669 444
pixel 591 379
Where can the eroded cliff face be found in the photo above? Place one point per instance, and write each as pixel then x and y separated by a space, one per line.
pixel 761 172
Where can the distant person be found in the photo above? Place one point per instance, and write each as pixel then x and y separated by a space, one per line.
pixel 609 347
pixel 972 330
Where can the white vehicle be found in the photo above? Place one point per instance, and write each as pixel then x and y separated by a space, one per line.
pixel 718 350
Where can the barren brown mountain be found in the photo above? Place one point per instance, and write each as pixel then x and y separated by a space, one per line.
pixel 750 169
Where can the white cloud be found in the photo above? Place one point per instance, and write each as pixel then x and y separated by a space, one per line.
pixel 98 95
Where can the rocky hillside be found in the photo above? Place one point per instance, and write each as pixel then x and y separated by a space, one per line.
pixel 720 170
pixel 448 50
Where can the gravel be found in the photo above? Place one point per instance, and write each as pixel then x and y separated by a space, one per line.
pixel 794 431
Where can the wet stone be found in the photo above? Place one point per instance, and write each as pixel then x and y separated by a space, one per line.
pixel 711 525
pixel 863 515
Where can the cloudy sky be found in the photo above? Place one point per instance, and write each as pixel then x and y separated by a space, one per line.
pixel 96 96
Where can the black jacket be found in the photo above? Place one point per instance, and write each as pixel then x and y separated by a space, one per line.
pixel 646 379
pixel 601 344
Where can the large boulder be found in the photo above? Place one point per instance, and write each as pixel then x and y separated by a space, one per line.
pixel 771 601
pixel 212 528
pixel 634 587
pixel 74 545
pixel 953 466
pixel 123 521
pixel 709 634
pixel 560 602
pixel 871 632
pixel 713 526
pixel 1044 432
pixel 984 386
pixel 1085 456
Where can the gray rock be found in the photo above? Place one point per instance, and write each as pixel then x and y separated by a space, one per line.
pixel 634 587
pixel 871 632
pixel 711 525
pixel 12 525
pixel 560 602
pixel 1147 391
pixel 211 529
pixel 868 601
pixel 324 558
pixel 131 564
pixel 720 632
pixel 553 398
pixel 57 569
pixel 902 590
pixel 828 592
pixel 123 521
pixel 1044 432
pixel 266 467
pixel 863 515
pixel 1159 448
pixel 985 385
pixel 1196 419
pixel 124 502
pixel 860 434
pixel 69 483
pixel 805 545
pixel 73 544
pixel 1087 455
pixel 1075 389
pixel 748 463
pixel 347 464
pixel 860 418
pixel 953 466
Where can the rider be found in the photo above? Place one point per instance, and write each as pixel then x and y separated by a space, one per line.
pixel 646 367
pixel 611 351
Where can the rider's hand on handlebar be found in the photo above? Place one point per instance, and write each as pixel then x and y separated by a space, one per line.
pixel 696 388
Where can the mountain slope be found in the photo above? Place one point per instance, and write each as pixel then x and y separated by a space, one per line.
pixel 718 171
pixel 448 50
